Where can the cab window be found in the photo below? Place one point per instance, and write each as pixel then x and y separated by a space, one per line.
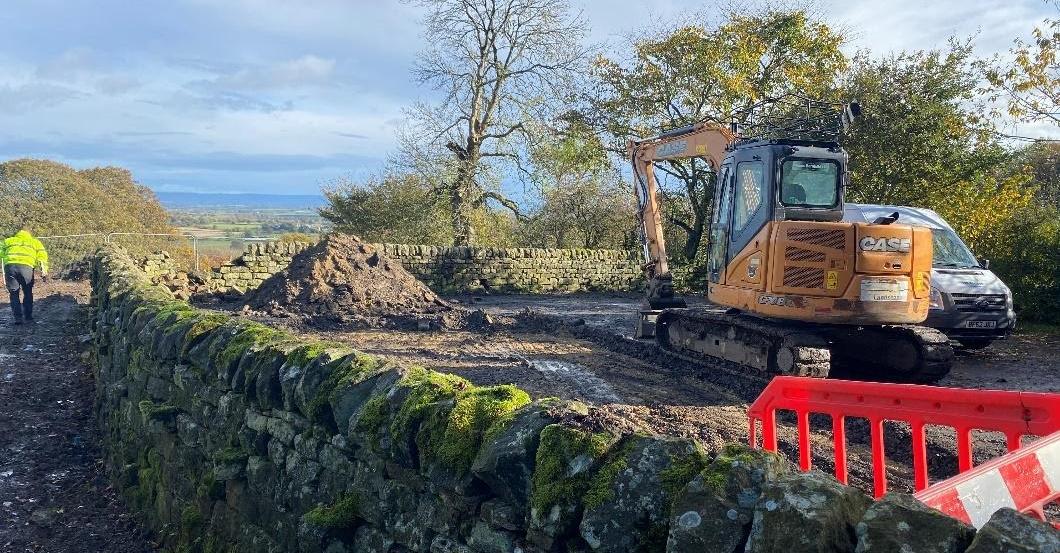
pixel 749 179
pixel 809 183
pixel 721 211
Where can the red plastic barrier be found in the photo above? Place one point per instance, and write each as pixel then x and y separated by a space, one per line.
pixel 1016 414
pixel 1027 480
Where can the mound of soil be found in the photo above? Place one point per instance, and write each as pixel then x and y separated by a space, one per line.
pixel 345 281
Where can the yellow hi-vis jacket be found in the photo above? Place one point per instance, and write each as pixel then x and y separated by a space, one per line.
pixel 24 249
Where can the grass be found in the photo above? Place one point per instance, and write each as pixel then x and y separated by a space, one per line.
pixel 1045 329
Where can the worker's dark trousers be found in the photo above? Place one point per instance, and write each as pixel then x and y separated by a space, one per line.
pixel 20 277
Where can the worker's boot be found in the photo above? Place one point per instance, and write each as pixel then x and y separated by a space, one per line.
pixel 27 307
pixel 16 308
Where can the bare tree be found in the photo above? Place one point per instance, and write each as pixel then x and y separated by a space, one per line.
pixel 499 64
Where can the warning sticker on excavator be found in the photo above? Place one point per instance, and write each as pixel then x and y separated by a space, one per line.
pixel 831 280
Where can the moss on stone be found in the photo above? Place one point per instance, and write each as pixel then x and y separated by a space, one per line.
pixel 602 485
pixel 426 387
pixel 373 415
pixel 150 410
pixel 301 356
pixel 348 371
pixel 561 471
pixel 251 335
pixel 144 492
pixel 191 529
pixel 341 515
pixel 147 478
pixel 231 455
pixel 716 474
pixel 209 488
pixel 136 361
pixel 205 322
pixel 214 544
pixel 191 517
pixel 172 313
pixel 475 411
pixel 682 469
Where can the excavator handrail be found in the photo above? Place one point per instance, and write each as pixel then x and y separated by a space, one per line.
pixel 1016 414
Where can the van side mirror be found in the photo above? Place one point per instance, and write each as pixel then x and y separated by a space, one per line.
pixel 984 263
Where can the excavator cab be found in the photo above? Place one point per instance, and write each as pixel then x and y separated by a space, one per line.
pixel 772 180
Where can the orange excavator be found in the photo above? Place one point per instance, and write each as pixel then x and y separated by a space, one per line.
pixel 800 290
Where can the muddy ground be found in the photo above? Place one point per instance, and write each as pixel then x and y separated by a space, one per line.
pixel 581 348
pixel 1026 361
pixel 54 495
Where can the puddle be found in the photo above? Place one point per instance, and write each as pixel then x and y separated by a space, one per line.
pixel 587 384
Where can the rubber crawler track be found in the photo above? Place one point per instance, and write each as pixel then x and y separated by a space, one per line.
pixel 894 353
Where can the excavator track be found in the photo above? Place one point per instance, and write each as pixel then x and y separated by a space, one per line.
pixel 895 353
pixel 766 347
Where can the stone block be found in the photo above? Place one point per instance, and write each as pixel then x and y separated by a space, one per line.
pixel 898 522
pixel 806 513
pixel 506 464
pixel 713 512
pixel 628 503
pixel 1011 532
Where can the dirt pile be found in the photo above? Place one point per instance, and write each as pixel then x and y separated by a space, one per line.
pixel 342 280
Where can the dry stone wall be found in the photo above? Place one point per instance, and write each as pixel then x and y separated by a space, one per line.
pixel 258 262
pixel 534 270
pixel 230 436
pixel 461 269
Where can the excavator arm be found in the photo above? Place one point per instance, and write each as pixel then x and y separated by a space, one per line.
pixel 706 140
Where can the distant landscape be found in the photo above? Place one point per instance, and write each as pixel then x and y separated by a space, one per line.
pixel 224 223
pixel 184 200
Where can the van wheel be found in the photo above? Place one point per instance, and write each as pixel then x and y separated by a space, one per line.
pixel 975 343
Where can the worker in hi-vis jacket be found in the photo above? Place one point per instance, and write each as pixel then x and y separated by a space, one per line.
pixel 20 255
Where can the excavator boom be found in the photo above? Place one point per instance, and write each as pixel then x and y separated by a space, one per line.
pixel 705 140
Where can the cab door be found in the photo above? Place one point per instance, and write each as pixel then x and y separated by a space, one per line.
pixel 719 225
pixel 751 201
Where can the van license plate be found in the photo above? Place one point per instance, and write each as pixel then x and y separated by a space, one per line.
pixel 979 324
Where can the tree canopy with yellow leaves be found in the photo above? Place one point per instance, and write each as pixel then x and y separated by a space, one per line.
pixel 55 199
pixel 703 72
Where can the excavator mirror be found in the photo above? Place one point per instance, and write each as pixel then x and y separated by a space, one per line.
pixel 850 112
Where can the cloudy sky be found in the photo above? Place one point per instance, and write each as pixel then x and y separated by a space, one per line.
pixel 279 97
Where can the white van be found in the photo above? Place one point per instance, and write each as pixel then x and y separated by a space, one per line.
pixel 969 303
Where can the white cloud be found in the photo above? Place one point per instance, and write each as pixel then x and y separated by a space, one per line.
pixel 34 95
pixel 113 85
pixel 918 25
pixel 302 72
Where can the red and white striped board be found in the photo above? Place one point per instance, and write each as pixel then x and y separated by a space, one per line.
pixel 1026 480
